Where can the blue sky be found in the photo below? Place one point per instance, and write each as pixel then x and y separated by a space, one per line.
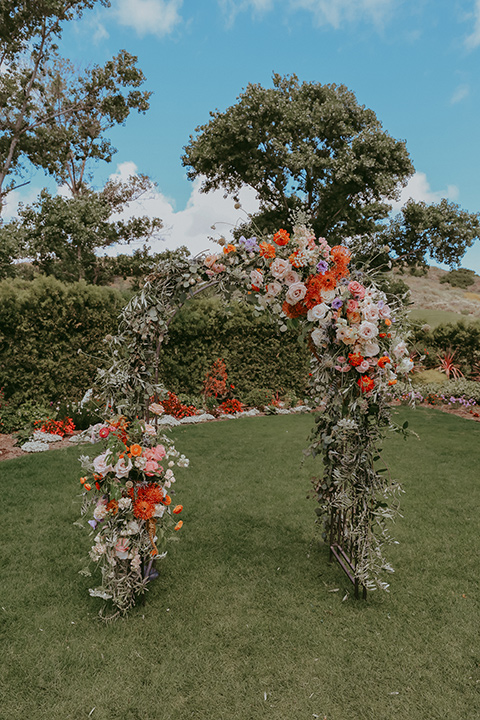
pixel 416 63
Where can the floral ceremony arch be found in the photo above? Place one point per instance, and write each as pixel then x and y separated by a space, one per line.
pixel 356 339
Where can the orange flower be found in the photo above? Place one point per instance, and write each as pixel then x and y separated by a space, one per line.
pixel 365 383
pixel 167 500
pixel 229 248
pixel 384 360
pixel 87 486
pixel 177 509
pixel 152 493
pixel 267 250
pixel 294 311
pixel 135 450
pixel 355 359
pixel 281 237
pixel 143 509
pixel 83 480
pixel 387 322
pixel 340 255
pixel 178 525
pixel 392 382
pixel 112 507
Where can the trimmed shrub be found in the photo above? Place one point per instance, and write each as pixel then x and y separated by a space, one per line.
pixel 51 336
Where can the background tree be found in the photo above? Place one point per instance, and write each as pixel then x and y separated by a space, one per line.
pixel 305 146
pixel 442 230
pixel 62 235
pixel 29 32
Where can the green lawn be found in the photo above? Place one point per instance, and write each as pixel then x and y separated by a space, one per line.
pixel 248 620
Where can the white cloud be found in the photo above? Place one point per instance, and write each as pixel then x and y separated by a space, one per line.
pixel 191 226
pixel 460 93
pixel 335 12
pixel 473 40
pixel 156 17
pixel 418 189
pixel 231 8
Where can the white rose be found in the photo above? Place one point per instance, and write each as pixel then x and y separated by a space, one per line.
pixel 370 349
pixel 363 367
pixel 367 330
pixel 385 312
pixel 400 349
pixel 295 292
pixel 370 312
pixel 273 288
pixel 328 295
pixel 279 268
pixel 122 468
pixel 102 465
pixel 318 312
pixel 318 337
pixel 291 277
pixel 100 510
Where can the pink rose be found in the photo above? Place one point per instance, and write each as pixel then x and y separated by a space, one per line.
pixel 279 267
pixel 367 330
pixel 151 466
pixel 273 288
pixel 356 289
pixel 291 277
pixel 363 367
pixel 295 292
pixel 352 306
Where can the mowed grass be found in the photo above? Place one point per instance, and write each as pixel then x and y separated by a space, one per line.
pixel 248 619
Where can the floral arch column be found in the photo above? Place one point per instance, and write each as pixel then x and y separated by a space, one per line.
pixel 355 337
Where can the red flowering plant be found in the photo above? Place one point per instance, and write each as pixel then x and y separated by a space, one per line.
pixel 127 492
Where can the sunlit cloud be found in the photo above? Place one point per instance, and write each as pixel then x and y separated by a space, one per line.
pixel 191 226
pixel 148 17
pixel 418 189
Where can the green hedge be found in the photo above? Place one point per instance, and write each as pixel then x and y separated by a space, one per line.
pixel 256 353
pixel 44 326
pixel 51 341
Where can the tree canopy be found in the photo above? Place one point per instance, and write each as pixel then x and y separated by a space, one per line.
pixel 441 230
pixel 51 115
pixel 302 146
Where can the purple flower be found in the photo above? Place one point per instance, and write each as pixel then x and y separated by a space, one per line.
pixel 337 303
pixel 322 267
pixel 250 245
pixel 92 523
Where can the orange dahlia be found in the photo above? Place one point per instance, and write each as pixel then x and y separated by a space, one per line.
pixel 143 509
pixel 281 237
pixel 267 250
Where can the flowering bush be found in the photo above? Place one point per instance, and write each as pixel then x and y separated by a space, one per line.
pixel 127 493
pixel 230 407
pixel 56 427
pixel 173 406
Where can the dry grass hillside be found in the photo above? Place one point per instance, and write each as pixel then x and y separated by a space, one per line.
pixel 438 302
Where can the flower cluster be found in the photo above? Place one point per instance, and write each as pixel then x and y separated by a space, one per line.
pixel 128 490
pixel 302 277
pixel 173 406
